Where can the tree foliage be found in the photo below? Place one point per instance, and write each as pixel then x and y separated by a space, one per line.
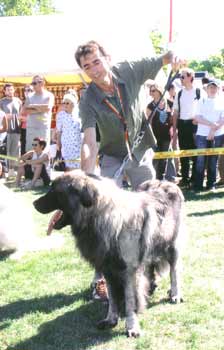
pixel 26 7
pixel 214 65
pixel 158 41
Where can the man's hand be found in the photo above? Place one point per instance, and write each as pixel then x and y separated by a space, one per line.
pixel 176 63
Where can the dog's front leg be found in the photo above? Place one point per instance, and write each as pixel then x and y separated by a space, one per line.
pixel 175 292
pixel 132 323
pixel 112 315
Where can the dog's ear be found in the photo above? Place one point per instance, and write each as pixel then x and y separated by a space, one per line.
pixel 87 194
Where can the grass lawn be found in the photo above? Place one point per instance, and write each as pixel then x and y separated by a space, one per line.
pixel 45 298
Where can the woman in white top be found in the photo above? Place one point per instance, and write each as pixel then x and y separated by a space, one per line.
pixel 68 127
pixel 210 134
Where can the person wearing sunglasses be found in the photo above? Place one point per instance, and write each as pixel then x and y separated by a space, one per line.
pixel 184 127
pixel 34 165
pixel 160 118
pixel 68 126
pixel 28 90
pixel 38 107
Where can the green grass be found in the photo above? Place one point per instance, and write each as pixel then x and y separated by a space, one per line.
pixel 45 297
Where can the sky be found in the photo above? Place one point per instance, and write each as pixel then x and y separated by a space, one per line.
pixel 198 29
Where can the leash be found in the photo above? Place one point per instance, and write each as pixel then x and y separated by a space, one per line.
pixel 172 76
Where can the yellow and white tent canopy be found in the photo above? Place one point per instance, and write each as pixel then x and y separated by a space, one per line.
pixel 46 44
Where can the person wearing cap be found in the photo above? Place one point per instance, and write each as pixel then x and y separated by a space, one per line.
pixel 38 106
pixel 161 122
pixel 68 131
pixel 210 134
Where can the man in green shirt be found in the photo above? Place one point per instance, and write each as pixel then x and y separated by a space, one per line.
pixel 113 103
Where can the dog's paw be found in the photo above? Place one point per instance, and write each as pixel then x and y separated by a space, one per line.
pixel 174 299
pixel 106 324
pixel 133 333
pixel 133 329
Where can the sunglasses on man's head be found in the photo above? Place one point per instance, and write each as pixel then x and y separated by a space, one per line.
pixel 37 82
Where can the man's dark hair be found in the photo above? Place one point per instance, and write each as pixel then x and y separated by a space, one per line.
pixel 171 86
pixel 204 80
pixel 88 48
pixel 41 142
pixel 7 85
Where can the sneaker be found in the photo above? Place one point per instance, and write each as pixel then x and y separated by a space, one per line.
pixel 211 189
pixel 27 185
pixel 220 183
pixel 39 183
pixel 11 173
pixel 100 290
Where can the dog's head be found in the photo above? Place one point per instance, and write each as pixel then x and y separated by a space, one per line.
pixel 70 193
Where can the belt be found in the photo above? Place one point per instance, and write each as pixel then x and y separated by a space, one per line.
pixel 185 121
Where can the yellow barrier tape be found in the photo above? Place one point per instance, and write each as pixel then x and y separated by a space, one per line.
pixel 189 153
pixel 3 156
pixel 157 155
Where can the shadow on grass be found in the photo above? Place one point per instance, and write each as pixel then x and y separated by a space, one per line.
pixel 202 196
pixel 5 254
pixel 44 304
pixel 206 213
pixel 74 330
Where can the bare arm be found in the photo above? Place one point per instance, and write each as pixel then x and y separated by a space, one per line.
pixel 175 117
pixel 4 126
pixel 148 112
pixel 201 120
pixel 58 139
pixel 40 160
pixel 37 109
pixel 89 150
pixel 169 58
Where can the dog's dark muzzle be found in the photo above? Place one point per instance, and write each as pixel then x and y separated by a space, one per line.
pixel 46 204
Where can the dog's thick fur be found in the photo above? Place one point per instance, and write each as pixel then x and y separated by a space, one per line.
pixel 17 229
pixel 126 235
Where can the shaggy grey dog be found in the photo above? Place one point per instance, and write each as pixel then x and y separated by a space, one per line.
pixel 126 235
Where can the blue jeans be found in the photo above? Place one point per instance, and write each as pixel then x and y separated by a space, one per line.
pixel 202 142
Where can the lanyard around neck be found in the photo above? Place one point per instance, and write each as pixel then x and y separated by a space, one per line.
pixel 121 117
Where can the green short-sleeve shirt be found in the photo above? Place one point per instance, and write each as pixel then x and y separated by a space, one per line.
pixel 129 77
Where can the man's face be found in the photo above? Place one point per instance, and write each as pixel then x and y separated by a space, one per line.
pixel 37 84
pixel 96 66
pixel 186 78
pixel 9 91
pixel 36 146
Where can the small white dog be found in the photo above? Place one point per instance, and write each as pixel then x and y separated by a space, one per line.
pixel 17 231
